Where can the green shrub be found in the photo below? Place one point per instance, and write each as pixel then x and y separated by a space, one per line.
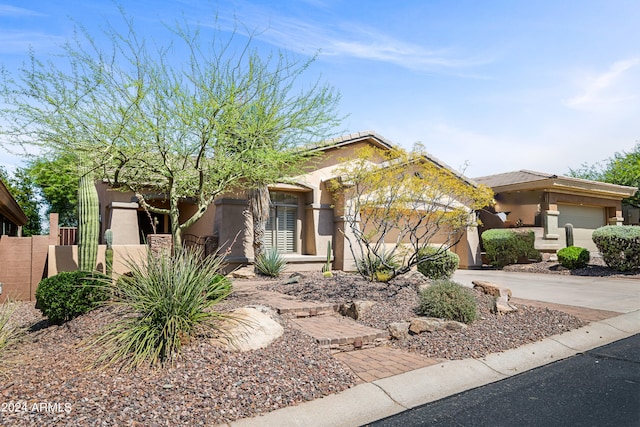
pixel 378 268
pixel 448 300
pixel 220 287
pixel 619 246
pixel 166 300
pixel 70 294
pixel 270 263
pixel 573 257
pixel 440 264
pixel 506 246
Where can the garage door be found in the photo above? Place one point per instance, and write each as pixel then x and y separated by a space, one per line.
pixel 584 219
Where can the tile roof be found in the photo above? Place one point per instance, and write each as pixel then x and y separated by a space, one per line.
pixel 516 177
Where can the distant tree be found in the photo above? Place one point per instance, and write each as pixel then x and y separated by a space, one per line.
pixel 401 204
pixel 150 121
pixel 25 193
pixel 57 181
pixel 622 169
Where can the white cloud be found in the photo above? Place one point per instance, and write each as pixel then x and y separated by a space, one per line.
pixel 8 10
pixel 604 90
pixel 346 39
pixel 21 41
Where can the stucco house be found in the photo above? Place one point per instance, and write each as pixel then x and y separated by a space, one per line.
pixel 12 217
pixel 305 215
pixel 546 202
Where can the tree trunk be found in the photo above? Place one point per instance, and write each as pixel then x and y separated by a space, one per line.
pixel 259 202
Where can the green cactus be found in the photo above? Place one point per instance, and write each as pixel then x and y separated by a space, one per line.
pixel 88 223
pixel 568 231
pixel 326 269
pixel 108 238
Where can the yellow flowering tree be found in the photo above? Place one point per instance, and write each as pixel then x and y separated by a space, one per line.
pixel 398 202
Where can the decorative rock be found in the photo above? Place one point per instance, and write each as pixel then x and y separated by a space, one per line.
pixel 452 325
pixel 500 295
pixel 356 309
pixel 415 278
pixel 491 288
pixel 399 330
pixel 425 324
pixel 243 273
pixel 250 329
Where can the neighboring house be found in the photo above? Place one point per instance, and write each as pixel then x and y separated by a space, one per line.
pixel 12 218
pixel 305 216
pixel 546 203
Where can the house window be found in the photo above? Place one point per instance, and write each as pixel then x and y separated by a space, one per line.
pixel 281 225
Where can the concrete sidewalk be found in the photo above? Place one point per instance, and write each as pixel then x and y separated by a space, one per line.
pixel 374 400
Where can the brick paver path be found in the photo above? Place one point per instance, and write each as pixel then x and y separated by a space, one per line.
pixel 338 331
pixel 380 362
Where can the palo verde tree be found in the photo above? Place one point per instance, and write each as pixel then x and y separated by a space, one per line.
pixel 187 120
pixel 397 203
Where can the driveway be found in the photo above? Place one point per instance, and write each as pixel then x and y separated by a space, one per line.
pixel 602 293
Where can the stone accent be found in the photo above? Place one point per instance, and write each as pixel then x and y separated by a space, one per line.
pixel 243 273
pixel 250 329
pixel 418 325
pixel 160 243
pixel 500 296
pixel 399 330
pixel 356 309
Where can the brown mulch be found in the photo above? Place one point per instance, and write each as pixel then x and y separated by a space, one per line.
pixel 45 379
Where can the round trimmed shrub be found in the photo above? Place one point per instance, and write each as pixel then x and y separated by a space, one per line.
pixel 439 265
pixel 573 257
pixel 70 294
pixel 449 300
pixel 507 246
pixel 619 246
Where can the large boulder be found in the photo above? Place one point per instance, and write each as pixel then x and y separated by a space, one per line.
pixel 249 329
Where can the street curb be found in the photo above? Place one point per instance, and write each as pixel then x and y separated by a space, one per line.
pixel 368 402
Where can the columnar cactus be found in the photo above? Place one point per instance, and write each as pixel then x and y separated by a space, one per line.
pixel 568 231
pixel 108 238
pixel 326 269
pixel 88 223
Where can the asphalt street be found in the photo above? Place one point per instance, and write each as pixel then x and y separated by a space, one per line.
pixel 600 387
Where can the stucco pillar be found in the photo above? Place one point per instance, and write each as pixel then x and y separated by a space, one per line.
pixel 616 220
pixel 124 223
pixel 551 225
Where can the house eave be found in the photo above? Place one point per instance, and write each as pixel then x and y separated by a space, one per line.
pixel 571 186
pixel 10 208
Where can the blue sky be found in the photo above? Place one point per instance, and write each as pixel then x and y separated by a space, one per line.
pixel 543 85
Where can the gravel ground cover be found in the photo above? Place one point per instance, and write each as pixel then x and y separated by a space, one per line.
pixel 45 379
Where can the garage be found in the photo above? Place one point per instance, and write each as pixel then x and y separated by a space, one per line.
pixel 584 219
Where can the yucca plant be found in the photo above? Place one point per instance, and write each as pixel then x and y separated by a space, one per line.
pixel 7 330
pixel 270 263
pixel 165 299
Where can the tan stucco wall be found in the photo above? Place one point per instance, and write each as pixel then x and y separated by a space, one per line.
pixel 65 258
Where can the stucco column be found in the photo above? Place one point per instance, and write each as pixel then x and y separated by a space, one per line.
pixel 551 225
pixel 616 220
pixel 124 223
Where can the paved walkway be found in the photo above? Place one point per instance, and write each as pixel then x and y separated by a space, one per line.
pixel 373 360
pixel 394 380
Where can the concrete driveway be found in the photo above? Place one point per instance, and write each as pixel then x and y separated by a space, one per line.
pixel 602 293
